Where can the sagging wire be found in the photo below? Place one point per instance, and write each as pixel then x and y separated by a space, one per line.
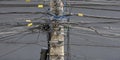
pixel 100 17
pixel 11 35
pixel 88 41
pixel 19 38
pixel 34 5
pixel 70 44
pixel 23 13
pixel 94 45
pixel 93 8
pixel 93 4
pixel 103 34
pixel 84 15
pixel 15 50
pixel 107 22
pixel 25 45
pixel 82 23
pixel 23 42
pixel 83 38
pixel 90 28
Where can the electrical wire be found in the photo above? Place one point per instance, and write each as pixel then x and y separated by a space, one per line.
pixel 101 17
pixel 93 8
pixel 89 16
pixel 18 5
pixel 22 42
pixel 110 35
pixel 11 35
pixel 22 13
pixel 82 23
pixel 15 50
pixel 38 36
pixel 12 51
pixel 85 15
pixel 92 45
pixel 35 5
pixel 68 34
pixel 76 3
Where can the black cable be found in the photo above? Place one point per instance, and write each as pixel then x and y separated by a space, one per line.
pixel 13 51
pixel 10 52
pixel 93 4
pixel 11 35
pixel 18 5
pixel 21 42
pixel 101 17
pixel 23 13
pixel 87 23
pixel 93 8
pixel 105 35
pixel 68 42
pixel 38 36
pixel 92 45
pixel 75 56
pixel 68 45
pixel 110 35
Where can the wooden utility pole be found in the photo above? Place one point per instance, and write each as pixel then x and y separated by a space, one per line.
pixel 56 42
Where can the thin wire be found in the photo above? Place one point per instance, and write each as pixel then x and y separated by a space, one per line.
pixel 22 42
pixel 38 36
pixel 12 51
pixel 104 35
pixel 23 13
pixel 93 45
pixel 85 23
pixel 93 8
pixel 11 35
pixel 101 17
pixel 21 37
pixel 75 56
pixel 96 31
pixel 34 19
pixel 95 4
pixel 68 45
pixel 68 30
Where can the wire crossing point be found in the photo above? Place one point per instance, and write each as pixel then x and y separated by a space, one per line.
pixel 40 6
pixel 28 0
pixel 80 14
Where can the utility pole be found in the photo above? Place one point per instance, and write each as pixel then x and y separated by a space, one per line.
pixel 56 42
